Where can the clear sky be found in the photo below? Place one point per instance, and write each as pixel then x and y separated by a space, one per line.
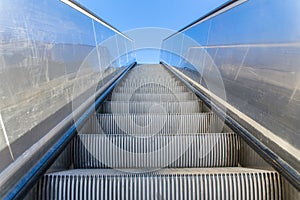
pixel 130 14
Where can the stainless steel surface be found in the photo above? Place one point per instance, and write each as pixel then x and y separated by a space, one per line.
pixel 203 150
pixel 289 191
pixel 254 49
pixel 20 175
pixel 236 183
pixel 149 156
pixel 148 106
pixel 156 123
pixel 49 55
pixel 85 11
pixel 250 158
pixel 278 163
pixel 151 87
pixel 162 97
pixel 64 160
pixel 131 117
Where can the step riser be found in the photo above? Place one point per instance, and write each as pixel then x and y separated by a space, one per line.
pixel 145 76
pixel 153 124
pixel 151 107
pixel 140 74
pixel 138 80
pixel 204 186
pixel 121 151
pixel 153 97
pixel 145 82
pixel 162 89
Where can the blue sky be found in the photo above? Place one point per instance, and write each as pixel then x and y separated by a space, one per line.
pixel 131 14
pixel 168 14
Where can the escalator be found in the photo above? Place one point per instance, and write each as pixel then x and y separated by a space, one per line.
pixel 153 138
pixel 217 119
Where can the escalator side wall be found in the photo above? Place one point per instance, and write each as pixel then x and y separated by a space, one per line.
pixel 255 49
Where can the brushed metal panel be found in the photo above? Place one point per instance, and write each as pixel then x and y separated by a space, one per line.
pixel 255 49
pixel 47 57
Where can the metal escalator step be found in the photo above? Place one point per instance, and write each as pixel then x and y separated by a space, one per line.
pixel 209 183
pixel 146 73
pixel 151 88
pixel 160 79
pixel 153 74
pixel 165 150
pixel 151 107
pixel 184 96
pixel 135 83
pixel 164 78
pixel 151 124
pixel 149 74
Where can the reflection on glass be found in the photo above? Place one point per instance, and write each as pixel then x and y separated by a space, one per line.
pixel 49 54
pixel 256 48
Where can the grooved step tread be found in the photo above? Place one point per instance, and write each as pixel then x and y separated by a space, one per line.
pixel 133 123
pixel 161 97
pixel 161 89
pixel 158 151
pixel 166 171
pixel 152 107
pixel 185 183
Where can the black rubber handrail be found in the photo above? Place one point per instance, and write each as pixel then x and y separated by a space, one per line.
pixel 15 183
pixel 286 170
